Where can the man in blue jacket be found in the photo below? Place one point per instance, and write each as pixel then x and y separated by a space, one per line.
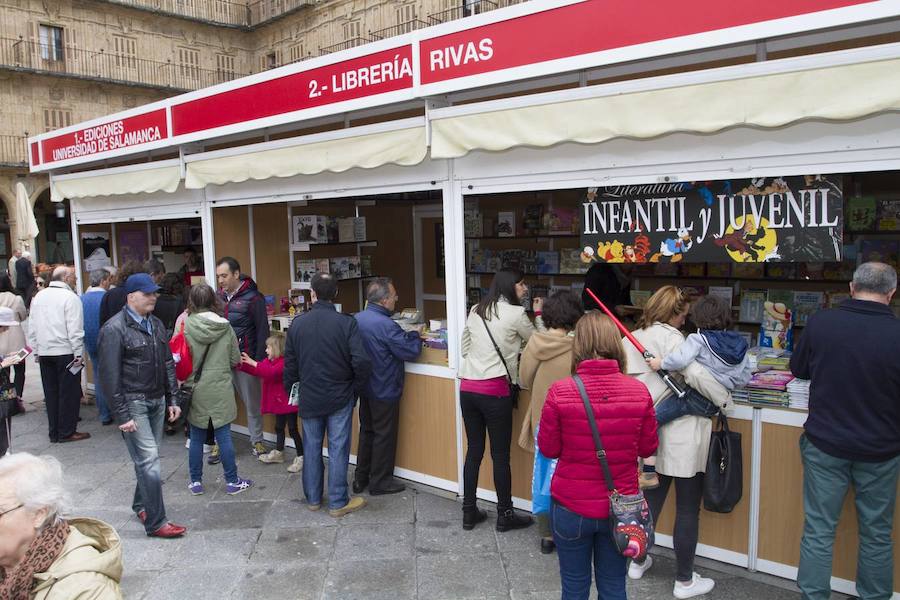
pixel 388 347
pixel 852 434
pixel 324 355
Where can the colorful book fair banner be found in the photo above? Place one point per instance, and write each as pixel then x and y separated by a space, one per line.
pixel 765 219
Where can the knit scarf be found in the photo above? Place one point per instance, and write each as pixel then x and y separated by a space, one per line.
pixel 43 551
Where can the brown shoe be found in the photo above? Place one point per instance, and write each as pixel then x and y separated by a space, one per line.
pixel 75 437
pixel 169 530
pixel 648 481
pixel 355 503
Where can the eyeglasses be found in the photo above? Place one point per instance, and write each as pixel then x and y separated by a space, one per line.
pixel 17 507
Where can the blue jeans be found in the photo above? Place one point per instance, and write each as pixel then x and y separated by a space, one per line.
pixel 226 452
pixel 338 425
pixel 143 446
pixel 578 541
pixel 102 404
pixel 693 403
pixel 826 480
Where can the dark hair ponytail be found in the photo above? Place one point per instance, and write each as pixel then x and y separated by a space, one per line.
pixel 503 286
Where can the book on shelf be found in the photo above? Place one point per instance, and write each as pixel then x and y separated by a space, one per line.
pixel 365 266
pixel 718 270
pixel 861 213
pixel 781 270
pixel 359 229
pixel 305 228
pixel 639 298
pixel 692 292
pixel 506 224
pixel 345 230
pixel 560 221
pixel 473 224
pixel 885 251
pixel 836 298
pixel 473 296
pixel 532 219
pixel 332 230
pixel 559 288
pixel 353 267
pixel 807 304
pixel 339 267
pixel 692 269
pixel 540 291
pixel 747 270
pixel 322 228
pixel 837 271
pixel 270 305
pixel 776 329
pixel 570 262
pixel 323 265
pixel 752 306
pixel 305 269
pixel 889 214
pixel 548 262
pixel 577 288
pixel 725 292
pixel 812 270
pixel 665 269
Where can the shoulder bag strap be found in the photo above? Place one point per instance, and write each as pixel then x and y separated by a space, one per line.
pixel 497 348
pixel 601 453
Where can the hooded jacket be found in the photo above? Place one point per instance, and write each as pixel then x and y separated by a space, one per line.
pixel 89 566
pixel 547 358
pixel 214 348
pixel 723 353
pixel 246 311
pixel 624 415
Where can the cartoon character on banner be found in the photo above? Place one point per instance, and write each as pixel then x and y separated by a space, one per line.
pixel 776 330
pixel 618 252
pixel 674 248
pixel 749 243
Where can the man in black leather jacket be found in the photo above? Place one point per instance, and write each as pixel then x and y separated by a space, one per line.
pixel 137 373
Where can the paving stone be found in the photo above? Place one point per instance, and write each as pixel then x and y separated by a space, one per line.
pixel 431 507
pixel 285 515
pixel 219 547
pixel 371 540
pixel 234 515
pixel 303 581
pixel 448 537
pixel 200 583
pixel 461 576
pixel 304 544
pixel 391 579
pixel 532 571
pixel 136 584
pixel 264 488
pixel 392 508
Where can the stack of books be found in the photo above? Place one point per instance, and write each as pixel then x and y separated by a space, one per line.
pixel 767 387
pixel 798 392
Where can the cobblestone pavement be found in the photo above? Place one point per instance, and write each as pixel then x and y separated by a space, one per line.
pixel 264 543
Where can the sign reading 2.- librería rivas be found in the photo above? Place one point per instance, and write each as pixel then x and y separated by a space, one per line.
pixel 767 219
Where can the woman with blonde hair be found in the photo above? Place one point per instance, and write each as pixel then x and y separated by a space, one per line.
pixel 683 443
pixel 623 411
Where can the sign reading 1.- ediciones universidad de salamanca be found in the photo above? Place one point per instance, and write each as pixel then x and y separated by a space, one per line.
pixel 766 219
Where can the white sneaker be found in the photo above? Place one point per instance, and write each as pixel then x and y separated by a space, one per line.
pixel 637 570
pixel 697 587
pixel 296 466
pixel 187 443
pixel 207 448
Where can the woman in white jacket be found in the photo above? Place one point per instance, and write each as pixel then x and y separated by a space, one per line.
pixel 683 443
pixel 485 398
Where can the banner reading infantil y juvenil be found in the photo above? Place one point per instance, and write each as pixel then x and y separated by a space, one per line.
pixel 780 219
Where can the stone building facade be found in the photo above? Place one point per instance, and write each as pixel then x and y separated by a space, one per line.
pixel 67 61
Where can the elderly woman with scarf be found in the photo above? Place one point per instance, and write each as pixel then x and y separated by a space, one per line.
pixel 44 556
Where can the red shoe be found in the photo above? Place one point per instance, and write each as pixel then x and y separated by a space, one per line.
pixel 169 530
pixel 142 516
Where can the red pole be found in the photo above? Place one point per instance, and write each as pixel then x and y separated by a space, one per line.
pixel 666 376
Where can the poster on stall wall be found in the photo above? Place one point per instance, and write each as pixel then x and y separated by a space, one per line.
pixel 133 245
pixel 95 250
pixel 766 219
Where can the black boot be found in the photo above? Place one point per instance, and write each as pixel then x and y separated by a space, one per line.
pixel 472 516
pixel 508 519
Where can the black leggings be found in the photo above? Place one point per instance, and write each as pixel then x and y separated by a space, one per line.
pixel 291 421
pixel 688 494
pixel 493 414
pixel 19 370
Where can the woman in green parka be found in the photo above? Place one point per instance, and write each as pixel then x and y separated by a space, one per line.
pixel 214 352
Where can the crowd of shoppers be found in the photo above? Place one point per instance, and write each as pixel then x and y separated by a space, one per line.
pixel 328 360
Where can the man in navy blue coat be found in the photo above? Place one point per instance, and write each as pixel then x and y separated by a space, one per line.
pixel 388 346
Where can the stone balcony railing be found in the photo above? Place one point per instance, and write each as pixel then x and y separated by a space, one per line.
pixel 245 14
pixel 98 65
pixel 13 150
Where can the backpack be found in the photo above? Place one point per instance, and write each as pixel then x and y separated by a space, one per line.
pixel 181 353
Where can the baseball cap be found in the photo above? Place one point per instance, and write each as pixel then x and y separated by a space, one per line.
pixel 140 282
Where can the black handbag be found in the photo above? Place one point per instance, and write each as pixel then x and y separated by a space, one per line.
pixel 630 520
pixel 723 484
pixel 10 404
pixel 513 387
pixel 186 392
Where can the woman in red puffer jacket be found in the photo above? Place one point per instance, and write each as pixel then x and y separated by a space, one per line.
pixel 624 413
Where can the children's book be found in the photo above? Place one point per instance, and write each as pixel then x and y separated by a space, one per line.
pixel 781 270
pixel 807 304
pixel 506 224
pixel 885 251
pixel 836 298
pixel 752 306
pixel 532 219
pixel 747 270
pixel 861 213
pixel 889 215
pixel 692 269
pixel 776 330
pixel 305 270
pixel 560 221
pixel 725 292
pixel 639 297
pixel 570 262
pixel 548 262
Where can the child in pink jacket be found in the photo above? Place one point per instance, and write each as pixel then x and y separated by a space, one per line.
pixel 275 400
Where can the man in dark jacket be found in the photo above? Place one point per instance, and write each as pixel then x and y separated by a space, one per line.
pixel 245 309
pixel 388 346
pixel 324 355
pixel 138 377
pixel 24 277
pixel 852 433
